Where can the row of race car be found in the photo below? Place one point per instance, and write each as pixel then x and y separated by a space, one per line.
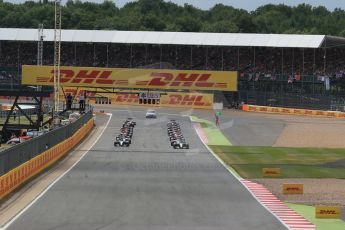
pixel 124 139
pixel 177 140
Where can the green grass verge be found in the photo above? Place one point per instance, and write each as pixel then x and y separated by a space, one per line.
pixel 214 135
pixel 293 162
pixel 322 224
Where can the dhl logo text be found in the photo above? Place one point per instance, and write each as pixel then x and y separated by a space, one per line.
pixel 82 76
pixel 328 212
pixel 183 79
pixel 292 189
pixel 271 172
pixel 197 100
pixel 128 98
pixel 160 80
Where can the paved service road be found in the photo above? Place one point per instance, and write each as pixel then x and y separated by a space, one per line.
pixel 148 186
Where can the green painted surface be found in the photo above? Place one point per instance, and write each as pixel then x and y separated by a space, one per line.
pixel 293 162
pixel 214 135
pixel 322 224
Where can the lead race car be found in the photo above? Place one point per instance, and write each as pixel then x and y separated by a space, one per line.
pixel 179 144
pixel 122 142
pixel 177 141
pixel 124 139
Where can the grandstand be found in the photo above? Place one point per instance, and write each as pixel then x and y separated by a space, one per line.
pixel 300 71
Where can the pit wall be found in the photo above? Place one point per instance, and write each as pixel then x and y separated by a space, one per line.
pixel 27 170
pixel 169 99
pixel 304 112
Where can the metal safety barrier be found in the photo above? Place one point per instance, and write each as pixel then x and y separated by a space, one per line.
pixel 23 152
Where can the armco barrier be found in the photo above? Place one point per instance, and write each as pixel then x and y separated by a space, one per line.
pixel 17 155
pixel 281 110
pixel 25 171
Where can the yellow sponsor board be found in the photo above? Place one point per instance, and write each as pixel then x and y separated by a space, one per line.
pixel 293 188
pixel 169 99
pixel 305 112
pixel 328 212
pixel 271 172
pixel 132 78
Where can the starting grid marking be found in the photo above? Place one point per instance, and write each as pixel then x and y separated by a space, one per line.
pixel 289 217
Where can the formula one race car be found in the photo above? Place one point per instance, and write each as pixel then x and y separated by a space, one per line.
pixel 179 144
pixel 124 139
pixel 176 138
pixel 130 122
pixel 121 142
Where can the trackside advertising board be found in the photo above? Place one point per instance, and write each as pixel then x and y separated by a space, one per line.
pixel 282 110
pixel 328 212
pixel 169 99
pixel 132 78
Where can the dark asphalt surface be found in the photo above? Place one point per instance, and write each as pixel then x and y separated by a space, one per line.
pixel 239 127
pixel 148 186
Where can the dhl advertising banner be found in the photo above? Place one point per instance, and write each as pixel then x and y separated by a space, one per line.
pixel 293 188
pixel 132 78
pixel 271 172
pixel 328 212
pixel 281 110
pixel 170 99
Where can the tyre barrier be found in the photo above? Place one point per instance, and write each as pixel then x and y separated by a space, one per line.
pixel 27 170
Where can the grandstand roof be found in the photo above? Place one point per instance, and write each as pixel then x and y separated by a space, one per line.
pixel 176 38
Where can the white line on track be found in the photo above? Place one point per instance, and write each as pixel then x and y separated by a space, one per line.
pixel 238 178
pixel 55 181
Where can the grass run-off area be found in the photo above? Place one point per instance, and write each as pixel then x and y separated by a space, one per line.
pixel 321 224
pixel 293 162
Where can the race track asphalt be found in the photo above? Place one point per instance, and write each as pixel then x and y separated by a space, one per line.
pixel 148 186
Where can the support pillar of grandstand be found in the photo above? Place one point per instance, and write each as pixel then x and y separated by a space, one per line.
pixel 238 58
pixel 282 73
pixel 145 54
pixel 206 58
pixel 131 55
pixel 254 60
pixel 8 127
pixel 222 58
pixel 302 61
pixel 75 53
pixel 160 56
pixel 191 57
pixel 325 58
pixel 107 55
pixel 293 62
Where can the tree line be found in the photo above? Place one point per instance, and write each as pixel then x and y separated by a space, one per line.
pixel 158 15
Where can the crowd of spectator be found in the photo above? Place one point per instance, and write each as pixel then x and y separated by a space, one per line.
pixel 277 60
pixel 253 63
